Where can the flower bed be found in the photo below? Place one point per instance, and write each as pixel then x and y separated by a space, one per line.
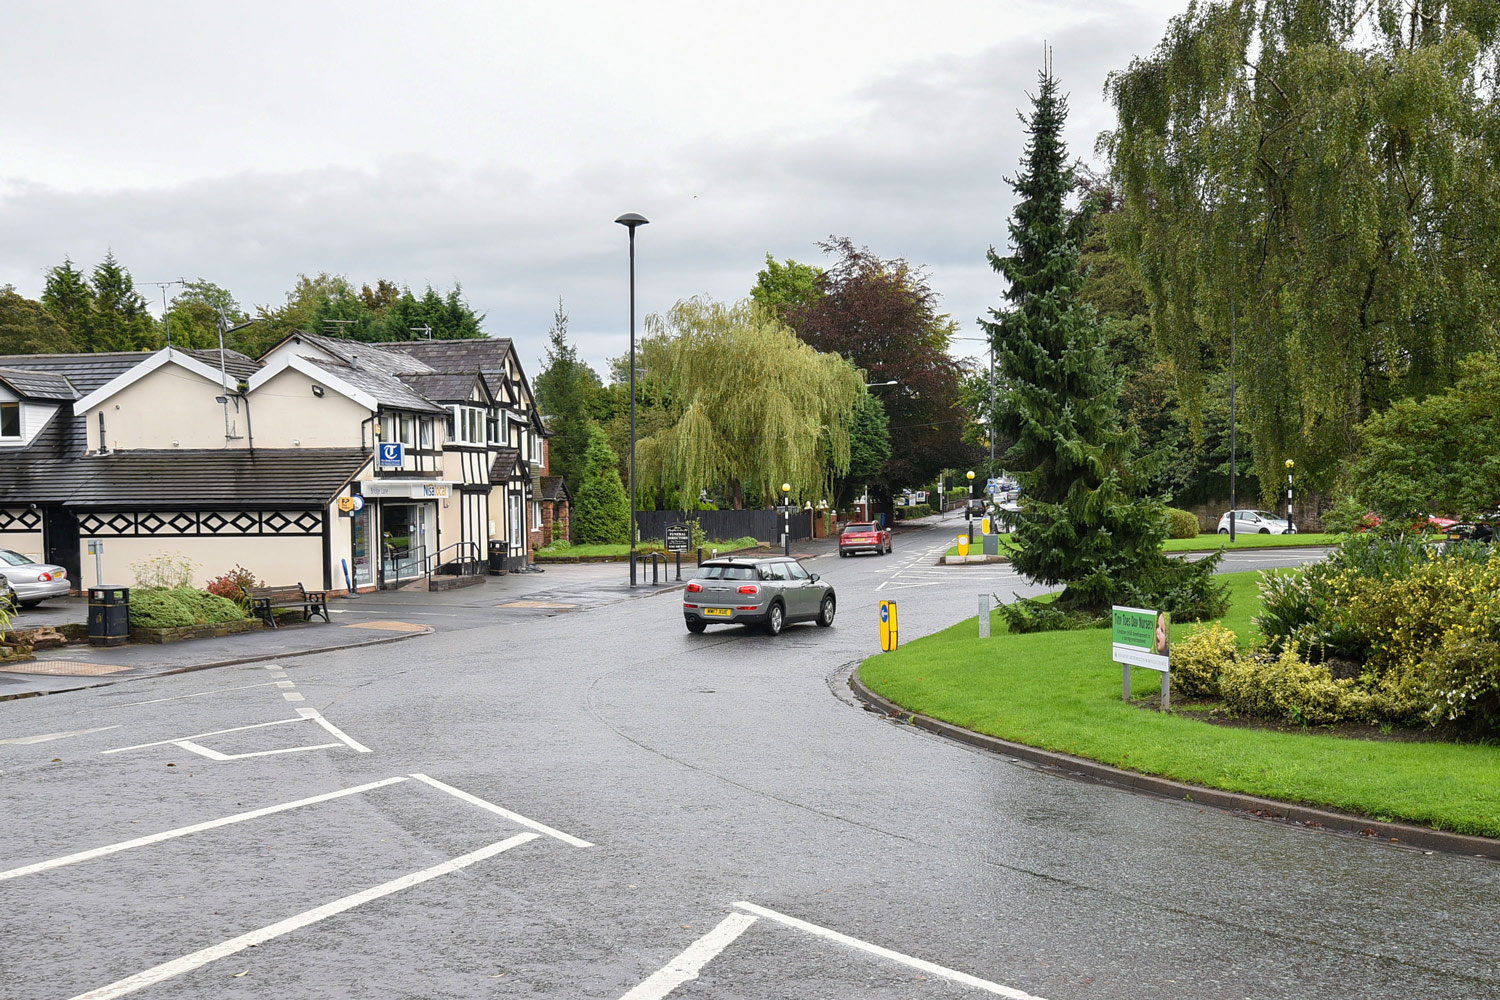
pixel 212 631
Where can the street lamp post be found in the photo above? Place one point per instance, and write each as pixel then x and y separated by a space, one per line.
pixel 630 220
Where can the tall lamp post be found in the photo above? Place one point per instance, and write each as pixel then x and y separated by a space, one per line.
pixel 630 220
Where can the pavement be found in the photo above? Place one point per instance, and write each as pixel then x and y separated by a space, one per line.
pixel 366 620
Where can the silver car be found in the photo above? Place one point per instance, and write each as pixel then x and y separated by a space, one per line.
pixel 32 581
pixel 771 591
pixel 1255 522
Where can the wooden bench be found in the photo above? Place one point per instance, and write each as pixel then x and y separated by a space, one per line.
pixel 264 602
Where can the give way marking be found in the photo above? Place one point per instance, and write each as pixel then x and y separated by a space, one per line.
pixel 686 966
pixel 303 715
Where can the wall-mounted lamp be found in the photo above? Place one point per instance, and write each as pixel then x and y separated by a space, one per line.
pixel 318 391
pixel 221 399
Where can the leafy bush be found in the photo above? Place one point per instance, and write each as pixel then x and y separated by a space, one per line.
pixel 1181 523
pixel 1288 687
pixel 1200 657
pixel 1464 682
pixel 915 510
pixel 228 585
pixel 1188 590
pixel 159 607
pixel 167 570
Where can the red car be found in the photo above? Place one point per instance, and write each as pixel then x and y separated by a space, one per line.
pixel 864 536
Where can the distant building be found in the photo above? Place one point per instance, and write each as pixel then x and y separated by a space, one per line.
pixel 327 461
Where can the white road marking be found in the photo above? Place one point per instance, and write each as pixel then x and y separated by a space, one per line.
pixel 284 684
pixel 316 716
pixel 183 831
pixel 198 959
pixel 685 967
pixel 199 736
pixel 22 740
pixel 895 956
pixel 213 754
pixel 196 694
pixel 566 838
pixel 292 695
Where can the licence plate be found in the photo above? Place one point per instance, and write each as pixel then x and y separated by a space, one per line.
pixel 718 612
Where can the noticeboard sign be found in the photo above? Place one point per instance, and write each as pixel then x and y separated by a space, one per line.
pixel 392 454
pixel 679 538
pixel 1142 637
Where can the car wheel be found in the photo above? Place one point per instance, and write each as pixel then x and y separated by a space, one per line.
pixel 30 604
pixel 1223 531
pixel 697 627
pixel 1265 531
pixel 775 618
pixel 825 613
pixel 842 553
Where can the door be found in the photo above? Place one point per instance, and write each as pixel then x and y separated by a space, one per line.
pixel 60 536
pixel 404 540
pixel 802 593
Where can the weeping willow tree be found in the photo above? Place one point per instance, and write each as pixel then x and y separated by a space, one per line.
pixel 1322 176
pixel 749 403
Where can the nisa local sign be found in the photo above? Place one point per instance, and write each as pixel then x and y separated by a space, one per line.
pixel 406 489
pixel 1141 637
pixel 392 454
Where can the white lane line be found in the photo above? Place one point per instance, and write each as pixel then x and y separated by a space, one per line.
pixel 895 956
pixel 284 684
pixel 685 967
pixel 316 716
pixel 198 959
pixel 196 694
pixel 292 695
pixel 566 838
pixel 183 831
pixel 23 740
pixel 198 736
pixel 213 754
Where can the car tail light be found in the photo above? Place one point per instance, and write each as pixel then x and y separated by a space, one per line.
pixel 694 588
pixel 750 588
pixel 45 577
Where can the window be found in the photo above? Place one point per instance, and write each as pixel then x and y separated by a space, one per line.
pixel 468 425
pixel 492 424
pixel 536 516
pixel 795 571
pixel 10 420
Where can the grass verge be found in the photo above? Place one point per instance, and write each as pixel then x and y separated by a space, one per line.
pixel 622 549
pixel 1060 691
pixel 1208 543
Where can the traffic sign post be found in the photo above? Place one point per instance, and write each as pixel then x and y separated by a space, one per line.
pixel 889 631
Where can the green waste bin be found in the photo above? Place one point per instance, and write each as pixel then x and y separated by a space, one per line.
pixel 109 616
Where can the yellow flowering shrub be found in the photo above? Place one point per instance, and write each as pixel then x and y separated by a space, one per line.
pixel 1199 657
pixel 1288 687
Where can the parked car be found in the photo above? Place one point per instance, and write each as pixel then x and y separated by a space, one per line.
pixel 864 536
pixel 31 581
pixel 1255 522
pixel 768 591
pixel 8 597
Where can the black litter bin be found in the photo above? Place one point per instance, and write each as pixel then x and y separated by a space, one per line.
pixel 497 558
pixel 109 616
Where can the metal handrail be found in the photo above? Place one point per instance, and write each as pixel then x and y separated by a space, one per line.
pixel 468 564
pixel 389 556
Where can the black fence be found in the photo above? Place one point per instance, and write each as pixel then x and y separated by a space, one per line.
pixel 764 525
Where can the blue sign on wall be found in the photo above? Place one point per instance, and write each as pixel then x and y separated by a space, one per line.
pixel 392 454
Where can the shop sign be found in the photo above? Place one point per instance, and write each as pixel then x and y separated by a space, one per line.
pixel 392 454
pixel 351 505
pixel 405 489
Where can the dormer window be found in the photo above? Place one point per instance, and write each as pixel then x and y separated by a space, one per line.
pixel 468 425
pixel 10 421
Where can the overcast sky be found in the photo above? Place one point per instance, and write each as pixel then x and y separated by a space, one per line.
pixel 494 143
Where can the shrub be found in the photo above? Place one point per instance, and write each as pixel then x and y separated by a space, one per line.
pixel 1288 687
pixel 1188 590
pixel 228 585
pixel 1027 615
pixel 1464 682
pixel 1181 523
pixel 168 571
pixel 1200 657
pixel 915 510
pixel 158 607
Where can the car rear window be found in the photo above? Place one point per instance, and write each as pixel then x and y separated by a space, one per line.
pixel 860 527
pixel 712 572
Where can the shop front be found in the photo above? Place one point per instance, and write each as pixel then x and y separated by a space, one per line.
pixel 396 537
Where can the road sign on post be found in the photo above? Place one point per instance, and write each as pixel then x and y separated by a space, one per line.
pixel 889 632
pixel 679 538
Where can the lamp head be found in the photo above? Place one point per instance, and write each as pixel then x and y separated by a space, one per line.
pixel 1289 464
pixel 786 487
pixel 971 475
pixel 632 219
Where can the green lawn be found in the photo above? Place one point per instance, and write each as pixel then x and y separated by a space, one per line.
pixel 1206 543
pixel 1060 691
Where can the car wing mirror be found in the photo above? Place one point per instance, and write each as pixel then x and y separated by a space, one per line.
pixel 814 578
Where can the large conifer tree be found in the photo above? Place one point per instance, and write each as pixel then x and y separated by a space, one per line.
pixel 1080 525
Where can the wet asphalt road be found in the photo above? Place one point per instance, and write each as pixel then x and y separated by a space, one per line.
pixel 745 820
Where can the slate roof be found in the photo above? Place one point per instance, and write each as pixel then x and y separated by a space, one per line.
pixel 39 385
pixel 442 387
pixel 553 488
pixel 236 365
pixel 368 356
pixel 292 477
pixel 86 372
pixel 467 355
pixel 504 464
pixel 388 390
